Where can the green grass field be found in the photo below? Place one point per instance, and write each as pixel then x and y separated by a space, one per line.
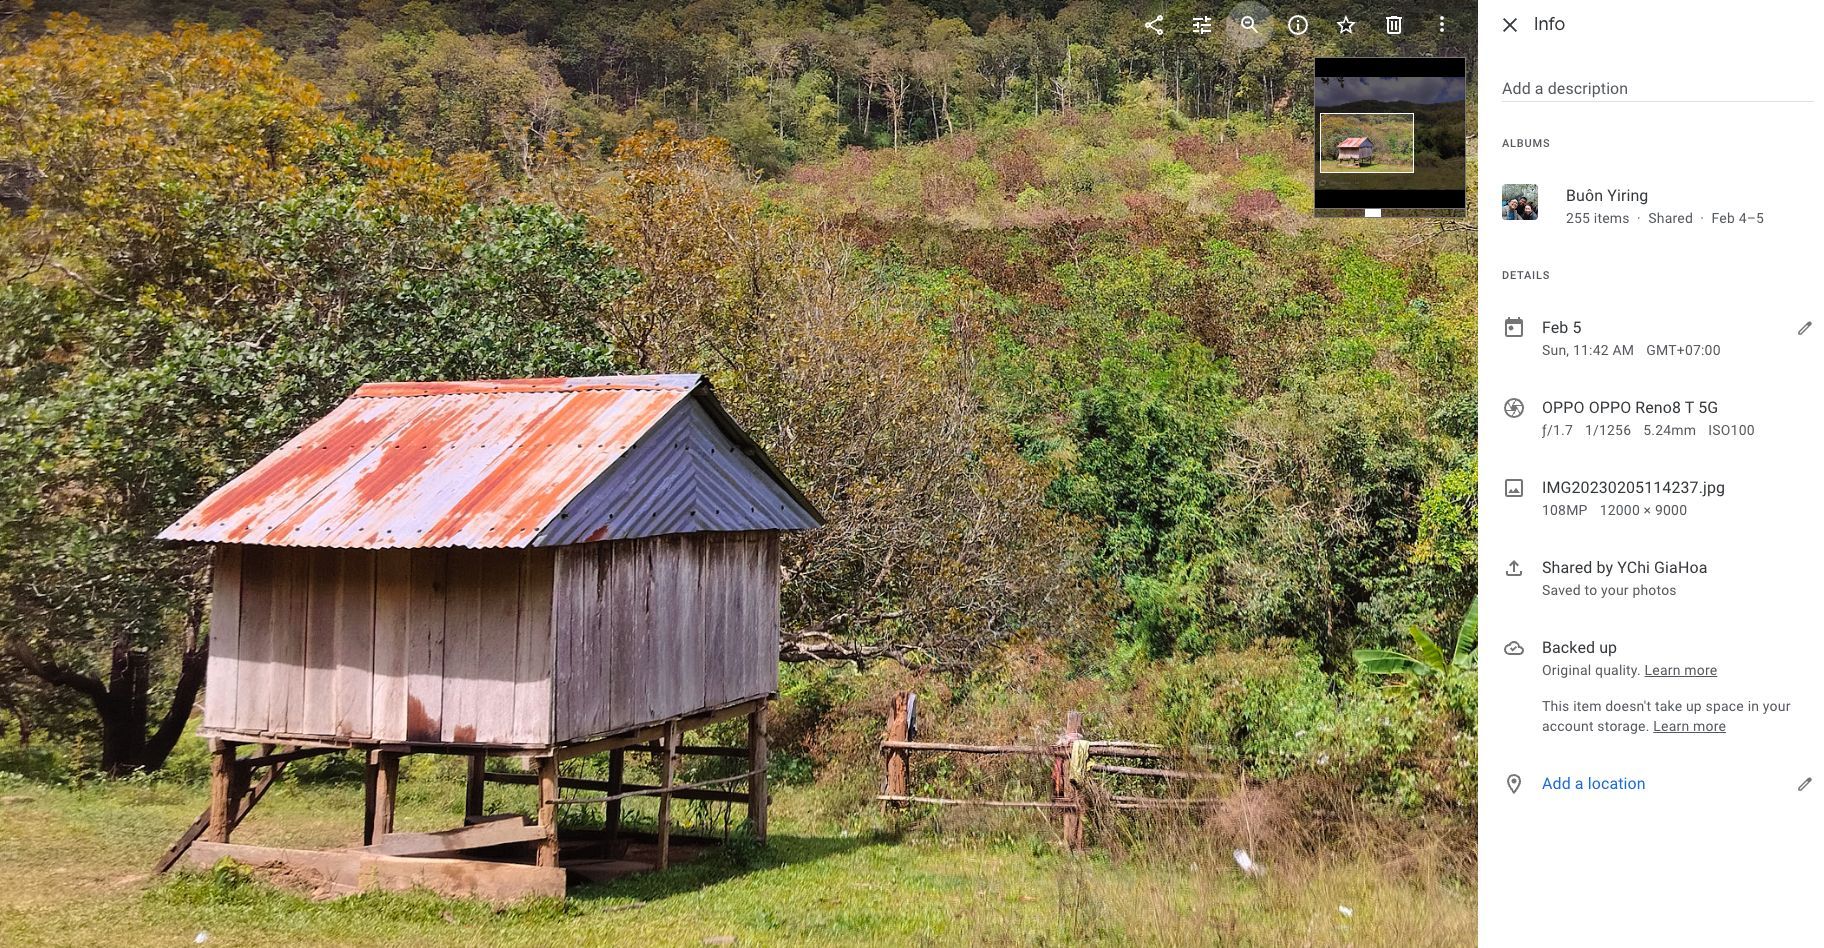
pixel 74 871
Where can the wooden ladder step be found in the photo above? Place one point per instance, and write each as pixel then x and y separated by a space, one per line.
pixel 198 828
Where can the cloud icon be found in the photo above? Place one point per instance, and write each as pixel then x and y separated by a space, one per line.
pixel 1513 648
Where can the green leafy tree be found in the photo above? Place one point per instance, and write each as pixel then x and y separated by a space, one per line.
pixel 207 262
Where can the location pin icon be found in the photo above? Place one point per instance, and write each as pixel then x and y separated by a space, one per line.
pixel 1513 783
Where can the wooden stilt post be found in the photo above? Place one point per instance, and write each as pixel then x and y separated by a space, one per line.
pixel 382 795
pixel 611 816
pixel 369 784
pixel 668 771
pixel 473 792
pixel 1066 782
pixel 899 728
pixel 547 811
pixel 221 789
pixel 756 784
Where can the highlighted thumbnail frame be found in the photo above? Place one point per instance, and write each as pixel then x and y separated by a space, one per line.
pixel 1366 142
pixel 1392 135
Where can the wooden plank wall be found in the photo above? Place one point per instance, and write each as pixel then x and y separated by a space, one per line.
pixel 449 646
pixel 657 627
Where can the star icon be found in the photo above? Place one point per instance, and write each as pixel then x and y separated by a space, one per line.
pixel 1345 25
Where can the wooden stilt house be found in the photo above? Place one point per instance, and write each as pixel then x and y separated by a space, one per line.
pixel 538 568
pixel 1355 150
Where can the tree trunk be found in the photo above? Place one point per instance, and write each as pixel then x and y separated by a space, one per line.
pixel 123 731
pixel 122 703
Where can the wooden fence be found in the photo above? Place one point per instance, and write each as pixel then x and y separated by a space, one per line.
pixel 1074 764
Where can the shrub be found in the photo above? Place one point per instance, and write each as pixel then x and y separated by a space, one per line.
pixel 1261 708
pixel 1411 746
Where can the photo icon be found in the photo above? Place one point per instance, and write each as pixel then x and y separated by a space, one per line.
pixel 1519 202
pixel 1366 142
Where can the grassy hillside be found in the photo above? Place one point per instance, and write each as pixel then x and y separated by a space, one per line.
pixel 1097 165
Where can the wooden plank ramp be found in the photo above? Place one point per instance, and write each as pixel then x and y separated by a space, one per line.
pixel 443 842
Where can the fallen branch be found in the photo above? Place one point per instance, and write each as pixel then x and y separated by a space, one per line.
pixel 821 647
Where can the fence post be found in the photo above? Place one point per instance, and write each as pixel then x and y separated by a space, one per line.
pixel 1065 783
pixel 898 759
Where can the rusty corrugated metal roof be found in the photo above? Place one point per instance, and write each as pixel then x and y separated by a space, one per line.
pixel 434 464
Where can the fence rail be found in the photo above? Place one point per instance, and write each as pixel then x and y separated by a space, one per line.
pixel 1072 765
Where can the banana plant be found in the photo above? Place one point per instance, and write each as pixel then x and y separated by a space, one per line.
pixel 1427 659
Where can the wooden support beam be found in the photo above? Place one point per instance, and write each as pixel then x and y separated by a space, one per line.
pixel 611 812
pixel 668 771
pixel 624 791
pixel 267 758
pixel 369 784
pixel 240 780
pixel 382 795
pixel 694 750
pixel 547 811
pixel 682 791
pixel 473 793
pixel 221 790
pixel 756 764
pixel 238 807
pixel 657 731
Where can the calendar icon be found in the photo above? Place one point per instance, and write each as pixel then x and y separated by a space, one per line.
pixel 1515 327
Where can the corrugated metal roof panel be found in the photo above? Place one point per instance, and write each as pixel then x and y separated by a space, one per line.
pixel 473 464
pixel 686 475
